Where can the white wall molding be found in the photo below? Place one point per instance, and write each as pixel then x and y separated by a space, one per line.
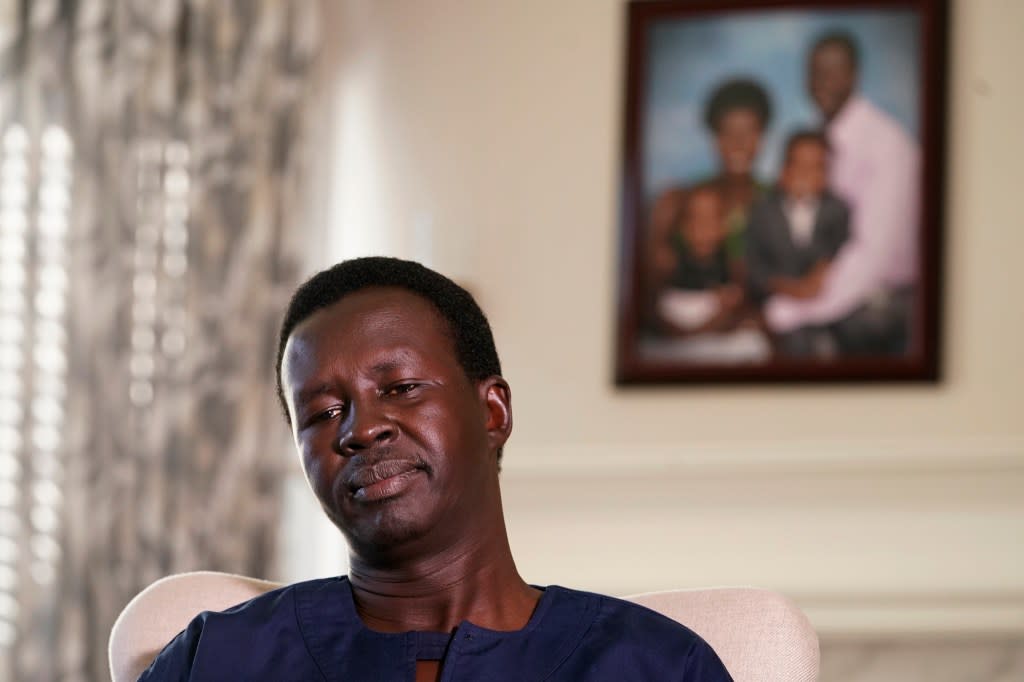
pixel 872 538
pixel 919 616
pixel 920 455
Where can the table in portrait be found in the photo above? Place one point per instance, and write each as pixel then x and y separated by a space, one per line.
pixel 782 191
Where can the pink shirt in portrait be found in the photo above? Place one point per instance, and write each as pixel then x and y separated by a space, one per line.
pixel 876 169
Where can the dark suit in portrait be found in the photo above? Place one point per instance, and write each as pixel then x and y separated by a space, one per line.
pixel 780 248
pixel 774 251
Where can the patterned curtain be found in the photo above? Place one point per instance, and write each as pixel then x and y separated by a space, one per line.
pixel 151 158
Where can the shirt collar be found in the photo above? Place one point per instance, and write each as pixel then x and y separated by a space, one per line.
pixel 344 648
pixel 846 118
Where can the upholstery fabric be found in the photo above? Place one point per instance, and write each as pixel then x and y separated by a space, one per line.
pixel 760 635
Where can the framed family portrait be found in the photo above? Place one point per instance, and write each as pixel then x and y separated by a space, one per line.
pixel 782 202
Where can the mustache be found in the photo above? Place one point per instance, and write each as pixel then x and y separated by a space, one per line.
pixel 363 470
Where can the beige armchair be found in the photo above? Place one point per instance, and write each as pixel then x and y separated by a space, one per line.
pixel 760 635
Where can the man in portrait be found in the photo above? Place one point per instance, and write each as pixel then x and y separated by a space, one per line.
pixel 867 292
pixel 391 384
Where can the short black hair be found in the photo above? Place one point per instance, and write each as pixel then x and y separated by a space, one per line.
pixel 807 135
pixel 737 93
pixel 466 322
pixel 842 39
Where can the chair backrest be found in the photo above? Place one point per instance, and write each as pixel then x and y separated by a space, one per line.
pixel 760 635
pixel 163 609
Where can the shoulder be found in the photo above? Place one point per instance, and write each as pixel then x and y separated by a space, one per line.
pixel 624 636
pixel 268 610
pixel 669 198
pixel 222 641
pixel 269 605
pixel 870 123
pixel 870 112
pixel 633 621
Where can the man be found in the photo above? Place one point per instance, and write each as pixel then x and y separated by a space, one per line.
pixel 867 291
pixel 391 384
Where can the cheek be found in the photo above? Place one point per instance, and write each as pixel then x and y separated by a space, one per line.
pixel 439 425
pixel 320 469
pixel 832 84
pixel 727 143
pixel 451 438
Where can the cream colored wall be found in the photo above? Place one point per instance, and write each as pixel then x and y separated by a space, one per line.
pixel 483 138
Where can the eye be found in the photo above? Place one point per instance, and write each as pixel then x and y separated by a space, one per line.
pixel 332 412
pixel 403 388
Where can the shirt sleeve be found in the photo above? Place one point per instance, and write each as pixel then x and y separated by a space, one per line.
pixel 840 228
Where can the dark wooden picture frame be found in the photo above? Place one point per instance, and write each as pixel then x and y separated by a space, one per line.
pixel 782 191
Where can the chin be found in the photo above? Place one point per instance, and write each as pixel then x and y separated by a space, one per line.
pixel 828 107
pixel 739 170
pixel 380 531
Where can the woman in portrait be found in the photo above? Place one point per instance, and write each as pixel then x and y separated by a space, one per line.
pixel 736 113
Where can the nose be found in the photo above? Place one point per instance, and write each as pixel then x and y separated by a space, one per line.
pixel 365 427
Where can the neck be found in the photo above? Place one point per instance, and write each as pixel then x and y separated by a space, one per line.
pixel 473 580
pixel 829 118
pixel 737 190
pixel 737 181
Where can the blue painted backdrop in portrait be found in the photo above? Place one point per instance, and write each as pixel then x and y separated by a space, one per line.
pixel 689 57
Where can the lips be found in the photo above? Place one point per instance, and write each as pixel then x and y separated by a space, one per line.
pixel 381 480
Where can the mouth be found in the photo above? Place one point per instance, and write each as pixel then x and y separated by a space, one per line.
pixel 382 480
pixel 825 96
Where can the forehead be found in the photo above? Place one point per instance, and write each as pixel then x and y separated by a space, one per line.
pixel 832 54
pixel 808 149
pixel 379 324
pixel 739 115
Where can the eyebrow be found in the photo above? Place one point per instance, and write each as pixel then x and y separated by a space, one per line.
pixel 385 366
pixel 388 364
pixel 397 358
pixel 307 394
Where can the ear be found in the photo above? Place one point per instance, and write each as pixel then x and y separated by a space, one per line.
pixel 497 402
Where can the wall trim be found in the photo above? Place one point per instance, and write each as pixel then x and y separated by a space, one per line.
pixel 957 615
pixel 924 456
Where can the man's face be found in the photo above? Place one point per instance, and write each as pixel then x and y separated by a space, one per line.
pixel 831 78
pixel 738 138
pixel 397 443
pixel 805 174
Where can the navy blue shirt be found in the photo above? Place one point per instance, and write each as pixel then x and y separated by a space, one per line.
pixel 311 631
